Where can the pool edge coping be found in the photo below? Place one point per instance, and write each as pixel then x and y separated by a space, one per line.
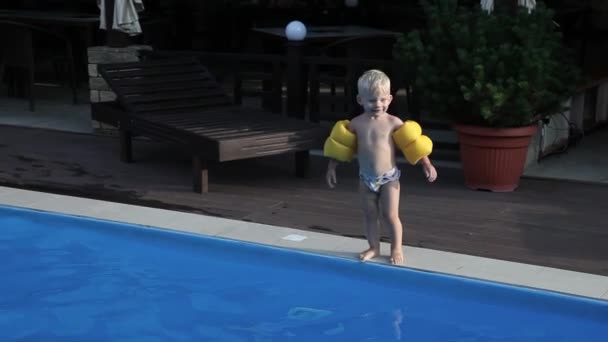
pixel 526 275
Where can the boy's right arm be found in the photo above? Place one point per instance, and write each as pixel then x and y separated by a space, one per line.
pixel 341 145
pixel 429 169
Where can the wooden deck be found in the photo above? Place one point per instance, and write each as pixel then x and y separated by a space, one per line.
pixel 550 223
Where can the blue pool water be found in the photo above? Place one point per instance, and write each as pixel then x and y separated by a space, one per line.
pixel 73 279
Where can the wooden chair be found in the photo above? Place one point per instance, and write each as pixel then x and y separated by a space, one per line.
pixel 178 100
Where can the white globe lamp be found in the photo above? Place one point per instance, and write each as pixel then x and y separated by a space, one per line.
pixel 295 31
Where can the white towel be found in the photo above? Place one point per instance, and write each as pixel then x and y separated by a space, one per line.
pixel 125 18
pixel 529 4
pixel 488 5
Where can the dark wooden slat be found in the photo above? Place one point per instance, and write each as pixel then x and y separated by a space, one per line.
pixel 168 87
pixel 167 120
pixel 181 95
pixel 210 123
pixel 197 120
pixel 259 134
pixel 215 117
pixel 226 129
pixel 158 80
pixel 186 114
pixel 215 130
pixel 206 116
pixel 277 143
pixel 171 134
pixel 160 106
pixel 239 153
pixel 228 126
pixel 148 64
pixel 243 133
pixel 157 72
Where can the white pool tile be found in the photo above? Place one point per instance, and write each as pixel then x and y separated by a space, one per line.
pixel 583 284
pixel 5 191
pixel 21 198
pixel 70 205
pixel 199 224
pixel 317 243
pixel 437 261
pixel 294 237
pixel 135 215
pixel 254 232
pixel 499 270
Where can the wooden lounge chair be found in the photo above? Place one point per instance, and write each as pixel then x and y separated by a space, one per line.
pixel 179 101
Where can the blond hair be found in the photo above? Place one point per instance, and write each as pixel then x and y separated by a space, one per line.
pixel 374 82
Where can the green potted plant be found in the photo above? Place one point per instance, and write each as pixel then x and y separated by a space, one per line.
pixel 493 76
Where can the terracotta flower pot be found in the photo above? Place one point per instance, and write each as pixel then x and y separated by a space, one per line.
pixel 493 158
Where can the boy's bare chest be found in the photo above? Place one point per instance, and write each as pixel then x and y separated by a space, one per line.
pixel 375 131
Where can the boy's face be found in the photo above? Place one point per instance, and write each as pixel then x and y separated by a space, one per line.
pixel 374 102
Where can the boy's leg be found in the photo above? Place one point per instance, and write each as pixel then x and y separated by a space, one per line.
pixel 369 204
pixel 389 216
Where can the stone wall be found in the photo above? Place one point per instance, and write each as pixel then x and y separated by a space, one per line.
pixel 99 90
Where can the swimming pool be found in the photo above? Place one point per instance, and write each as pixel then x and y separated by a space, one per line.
pixel 76 279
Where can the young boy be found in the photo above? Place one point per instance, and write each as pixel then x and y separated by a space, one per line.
pixel 379 177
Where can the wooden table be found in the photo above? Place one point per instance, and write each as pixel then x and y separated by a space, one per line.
pixel 269 39
pixel 86 21
pixel 70 18
pixel 85 25
pixel 316 34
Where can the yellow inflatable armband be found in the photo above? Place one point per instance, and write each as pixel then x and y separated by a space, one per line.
pixel 412 143
pixel 341 143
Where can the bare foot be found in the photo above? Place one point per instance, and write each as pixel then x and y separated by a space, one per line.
pixel 397 256
pixel 369 254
